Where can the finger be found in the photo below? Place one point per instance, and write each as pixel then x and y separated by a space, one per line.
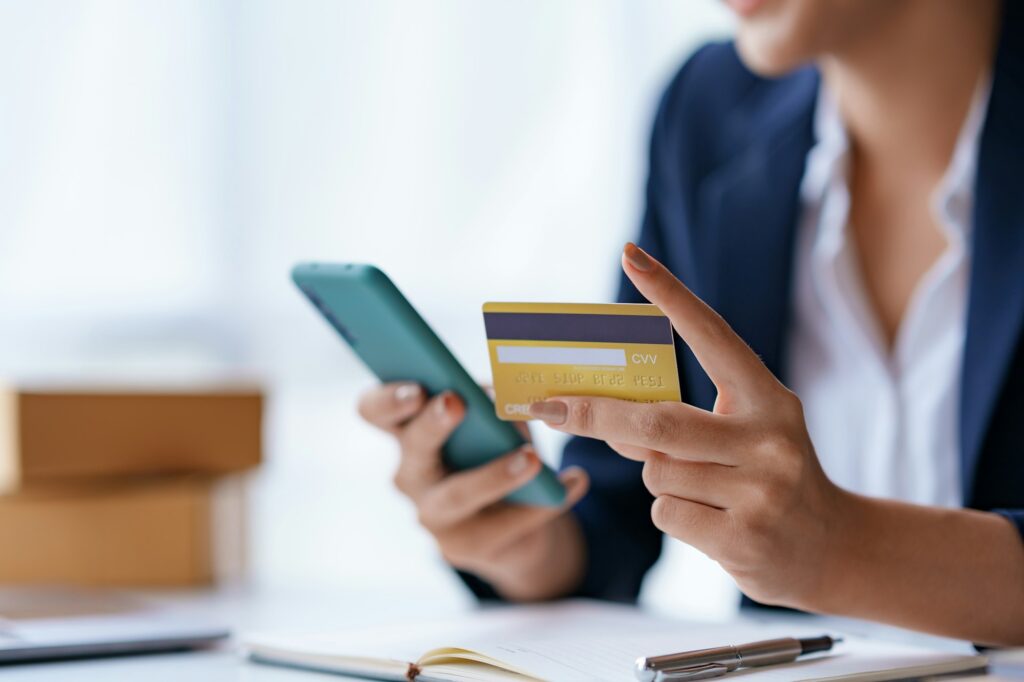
pixel 678 429
pixel 726 358
pixel 487 533
pixel 421 439
pixel 696 524
pixel 520 520
pixel 634 452
pixel 712 484
pixel 389 405
pixel 459 496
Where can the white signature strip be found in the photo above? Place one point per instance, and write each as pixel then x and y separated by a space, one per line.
pixel 561 355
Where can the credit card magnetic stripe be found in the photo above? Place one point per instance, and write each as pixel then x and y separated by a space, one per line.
pixel 589 328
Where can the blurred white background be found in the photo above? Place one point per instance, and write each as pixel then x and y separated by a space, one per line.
pixel 163 164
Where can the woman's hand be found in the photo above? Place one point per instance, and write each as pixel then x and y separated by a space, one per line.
pixel 742 483
pixel 524 552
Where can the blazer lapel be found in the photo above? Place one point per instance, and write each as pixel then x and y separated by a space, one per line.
pixel 748 210
pixel 996 299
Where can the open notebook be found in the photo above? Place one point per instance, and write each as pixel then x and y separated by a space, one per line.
pixel 577 642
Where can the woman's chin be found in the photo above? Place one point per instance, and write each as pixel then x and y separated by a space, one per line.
pixel 767 57
pixel 744 8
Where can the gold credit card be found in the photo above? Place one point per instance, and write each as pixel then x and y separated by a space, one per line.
pixel 615 350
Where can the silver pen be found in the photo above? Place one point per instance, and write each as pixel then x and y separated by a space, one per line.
pixel 704 664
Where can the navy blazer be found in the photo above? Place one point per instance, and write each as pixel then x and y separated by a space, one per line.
pixel 726 161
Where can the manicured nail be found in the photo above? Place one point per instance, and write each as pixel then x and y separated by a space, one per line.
pixel 519 462
pixel 550 411
pixel 443 405
pixel 637 257
pixel 407 393
pixel 573 479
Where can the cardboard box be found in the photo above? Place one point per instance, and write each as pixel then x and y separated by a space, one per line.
pixel 172 532
pixel 55 436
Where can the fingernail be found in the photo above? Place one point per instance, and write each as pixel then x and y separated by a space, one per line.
pixel 550 411
pixel 519 462
pixel 573 479
pixel 570 476
pixel 443 405
pixel 407 393
pixel 637 257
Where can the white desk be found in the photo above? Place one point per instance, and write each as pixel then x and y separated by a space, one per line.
pixel 248 610
pixel 243 610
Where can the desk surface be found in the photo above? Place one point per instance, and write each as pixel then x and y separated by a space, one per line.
pixel 242 610
pixel 248 610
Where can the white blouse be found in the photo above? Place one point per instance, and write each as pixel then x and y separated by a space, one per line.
pixel 884 422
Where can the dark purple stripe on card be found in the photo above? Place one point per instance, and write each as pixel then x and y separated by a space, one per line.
pixel 578 327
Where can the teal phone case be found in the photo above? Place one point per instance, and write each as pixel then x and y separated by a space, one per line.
pixel 386 332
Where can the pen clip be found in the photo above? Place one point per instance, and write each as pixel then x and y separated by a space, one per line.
pixel 705 671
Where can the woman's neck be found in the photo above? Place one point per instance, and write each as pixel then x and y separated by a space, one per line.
pixel 904 91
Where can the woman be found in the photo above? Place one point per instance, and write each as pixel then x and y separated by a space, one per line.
pixel 841 186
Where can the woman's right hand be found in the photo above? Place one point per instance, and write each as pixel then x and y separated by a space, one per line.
pixel 525 552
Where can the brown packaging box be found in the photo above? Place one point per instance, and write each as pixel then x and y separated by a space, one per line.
pixel 179 531
pixel 54 436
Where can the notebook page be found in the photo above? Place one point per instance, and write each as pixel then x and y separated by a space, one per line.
pixel 580 640
pixel 570 656
pixel 385 649
pixel 608 658
pixel 382 647
pixel 868 661
pixel 402 642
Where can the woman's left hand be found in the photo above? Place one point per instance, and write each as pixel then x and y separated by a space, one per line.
pixel 741 483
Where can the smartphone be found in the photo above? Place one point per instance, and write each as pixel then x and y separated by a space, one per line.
pixel 389 336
